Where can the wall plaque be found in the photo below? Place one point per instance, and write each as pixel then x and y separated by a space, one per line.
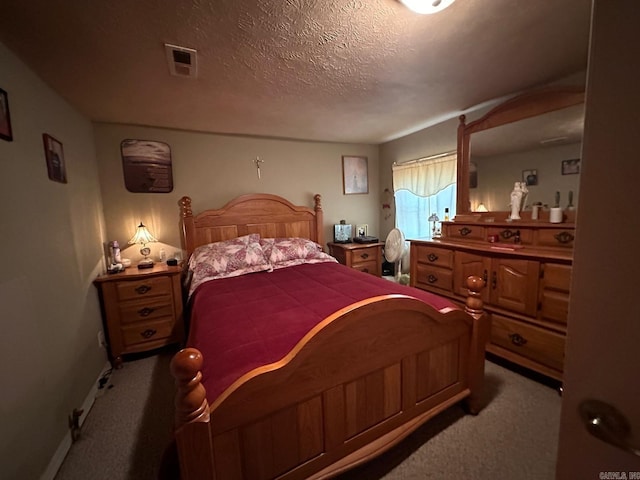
pixel 147 166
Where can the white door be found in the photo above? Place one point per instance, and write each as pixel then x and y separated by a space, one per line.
pixel 603 349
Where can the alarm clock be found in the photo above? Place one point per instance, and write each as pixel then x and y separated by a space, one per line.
pixel 342 232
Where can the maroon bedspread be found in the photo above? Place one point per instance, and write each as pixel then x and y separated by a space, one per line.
pixel 241 323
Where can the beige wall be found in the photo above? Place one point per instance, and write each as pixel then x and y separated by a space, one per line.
pixel 213 169
pixel 51 243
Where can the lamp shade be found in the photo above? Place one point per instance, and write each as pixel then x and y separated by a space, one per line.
pixel 142 235
pixel 426 6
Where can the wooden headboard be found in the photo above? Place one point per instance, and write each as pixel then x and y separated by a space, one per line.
pixel 266 214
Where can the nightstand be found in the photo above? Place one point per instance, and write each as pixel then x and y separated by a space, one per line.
pixel 141 309
pixel 366 257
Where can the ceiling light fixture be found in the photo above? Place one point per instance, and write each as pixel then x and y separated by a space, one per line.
pixel 426 6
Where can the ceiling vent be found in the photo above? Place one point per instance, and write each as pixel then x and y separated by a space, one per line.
pixel 182 61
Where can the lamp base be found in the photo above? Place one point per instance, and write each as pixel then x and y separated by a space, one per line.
pixel 146 263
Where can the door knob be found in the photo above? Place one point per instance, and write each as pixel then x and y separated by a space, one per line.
pixel 605 422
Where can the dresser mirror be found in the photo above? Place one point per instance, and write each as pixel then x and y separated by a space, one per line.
pixel 535 138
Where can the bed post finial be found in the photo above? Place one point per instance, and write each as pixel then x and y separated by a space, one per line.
pixel 474 304
pixel 185 207
pixel 191 396
pixel 317 198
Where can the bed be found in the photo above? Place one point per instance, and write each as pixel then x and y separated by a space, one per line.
pixel 357 364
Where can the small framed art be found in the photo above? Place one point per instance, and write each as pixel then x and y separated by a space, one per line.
pixel 355 175
pixel 54 156
pixel 362 230
pixel 571 167
pixel 530 177
pixel 5 117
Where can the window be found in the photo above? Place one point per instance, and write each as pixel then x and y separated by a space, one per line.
pixel 423 188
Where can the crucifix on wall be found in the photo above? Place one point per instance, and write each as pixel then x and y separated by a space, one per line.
pixel 258 161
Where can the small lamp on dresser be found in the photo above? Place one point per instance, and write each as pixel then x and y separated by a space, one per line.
pixel 143 236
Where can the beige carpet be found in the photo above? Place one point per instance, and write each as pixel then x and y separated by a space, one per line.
pixel 515 436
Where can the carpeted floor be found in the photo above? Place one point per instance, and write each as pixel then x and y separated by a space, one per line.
pixel 515 436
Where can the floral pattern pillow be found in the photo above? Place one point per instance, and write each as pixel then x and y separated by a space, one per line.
pixel 229 258
pixel 287 252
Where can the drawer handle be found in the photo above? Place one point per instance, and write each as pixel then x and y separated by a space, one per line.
pixel 464 231
pixel 364 255
pixel 507 234
pixel 142 289
pixel 432 257
pixel 494 280
pixel 148 333
pixel 517 340
pixel 564 237
pixel 146 311
pixel 365 270
pixel 484 276
pixel 432 278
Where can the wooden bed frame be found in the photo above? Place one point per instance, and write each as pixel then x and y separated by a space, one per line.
pixel 353 387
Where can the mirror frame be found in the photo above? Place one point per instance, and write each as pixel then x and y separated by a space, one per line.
pixel 526 105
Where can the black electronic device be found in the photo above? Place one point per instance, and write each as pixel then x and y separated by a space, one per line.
pixel 365 239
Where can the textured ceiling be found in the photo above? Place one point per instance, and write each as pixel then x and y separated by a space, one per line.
pixel 332 70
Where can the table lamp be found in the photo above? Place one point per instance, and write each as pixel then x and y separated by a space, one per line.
pixel 143 236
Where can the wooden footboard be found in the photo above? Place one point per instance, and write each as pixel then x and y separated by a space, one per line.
pixel 356 385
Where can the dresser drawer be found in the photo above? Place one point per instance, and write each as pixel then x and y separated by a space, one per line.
pixel 440 257
pixel 509 234
pixel 555 237
pixel 466 232
pixel 532 342
pixel 140 333
pixel 429 276
pixel 557 276
pixel 142 311
pixel 364 256
pixel 149 287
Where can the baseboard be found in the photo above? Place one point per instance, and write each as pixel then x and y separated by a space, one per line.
pixel 65 445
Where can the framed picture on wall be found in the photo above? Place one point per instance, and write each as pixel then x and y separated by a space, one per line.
pixel 147 166
pixel 54 156
pixel 571 167
pixel 355 175
pixel 530 177
pixel 5 117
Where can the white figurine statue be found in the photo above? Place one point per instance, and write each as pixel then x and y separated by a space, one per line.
pixel 516 200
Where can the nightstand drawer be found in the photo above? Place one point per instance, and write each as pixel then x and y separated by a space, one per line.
pixel 440 257
pixel 148 287
pixel 147 331
pixel 141 311
pixel 366 267
pixel 534 343
pixel 434 277
pixel 363 256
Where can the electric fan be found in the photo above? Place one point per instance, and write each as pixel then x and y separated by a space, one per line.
pixel 394 248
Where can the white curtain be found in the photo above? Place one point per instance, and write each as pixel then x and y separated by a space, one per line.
pixel 422 189
pixel 425 177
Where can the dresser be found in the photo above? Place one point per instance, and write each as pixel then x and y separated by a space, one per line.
pixel 527 270
pixel 366 257
pixel 142 309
